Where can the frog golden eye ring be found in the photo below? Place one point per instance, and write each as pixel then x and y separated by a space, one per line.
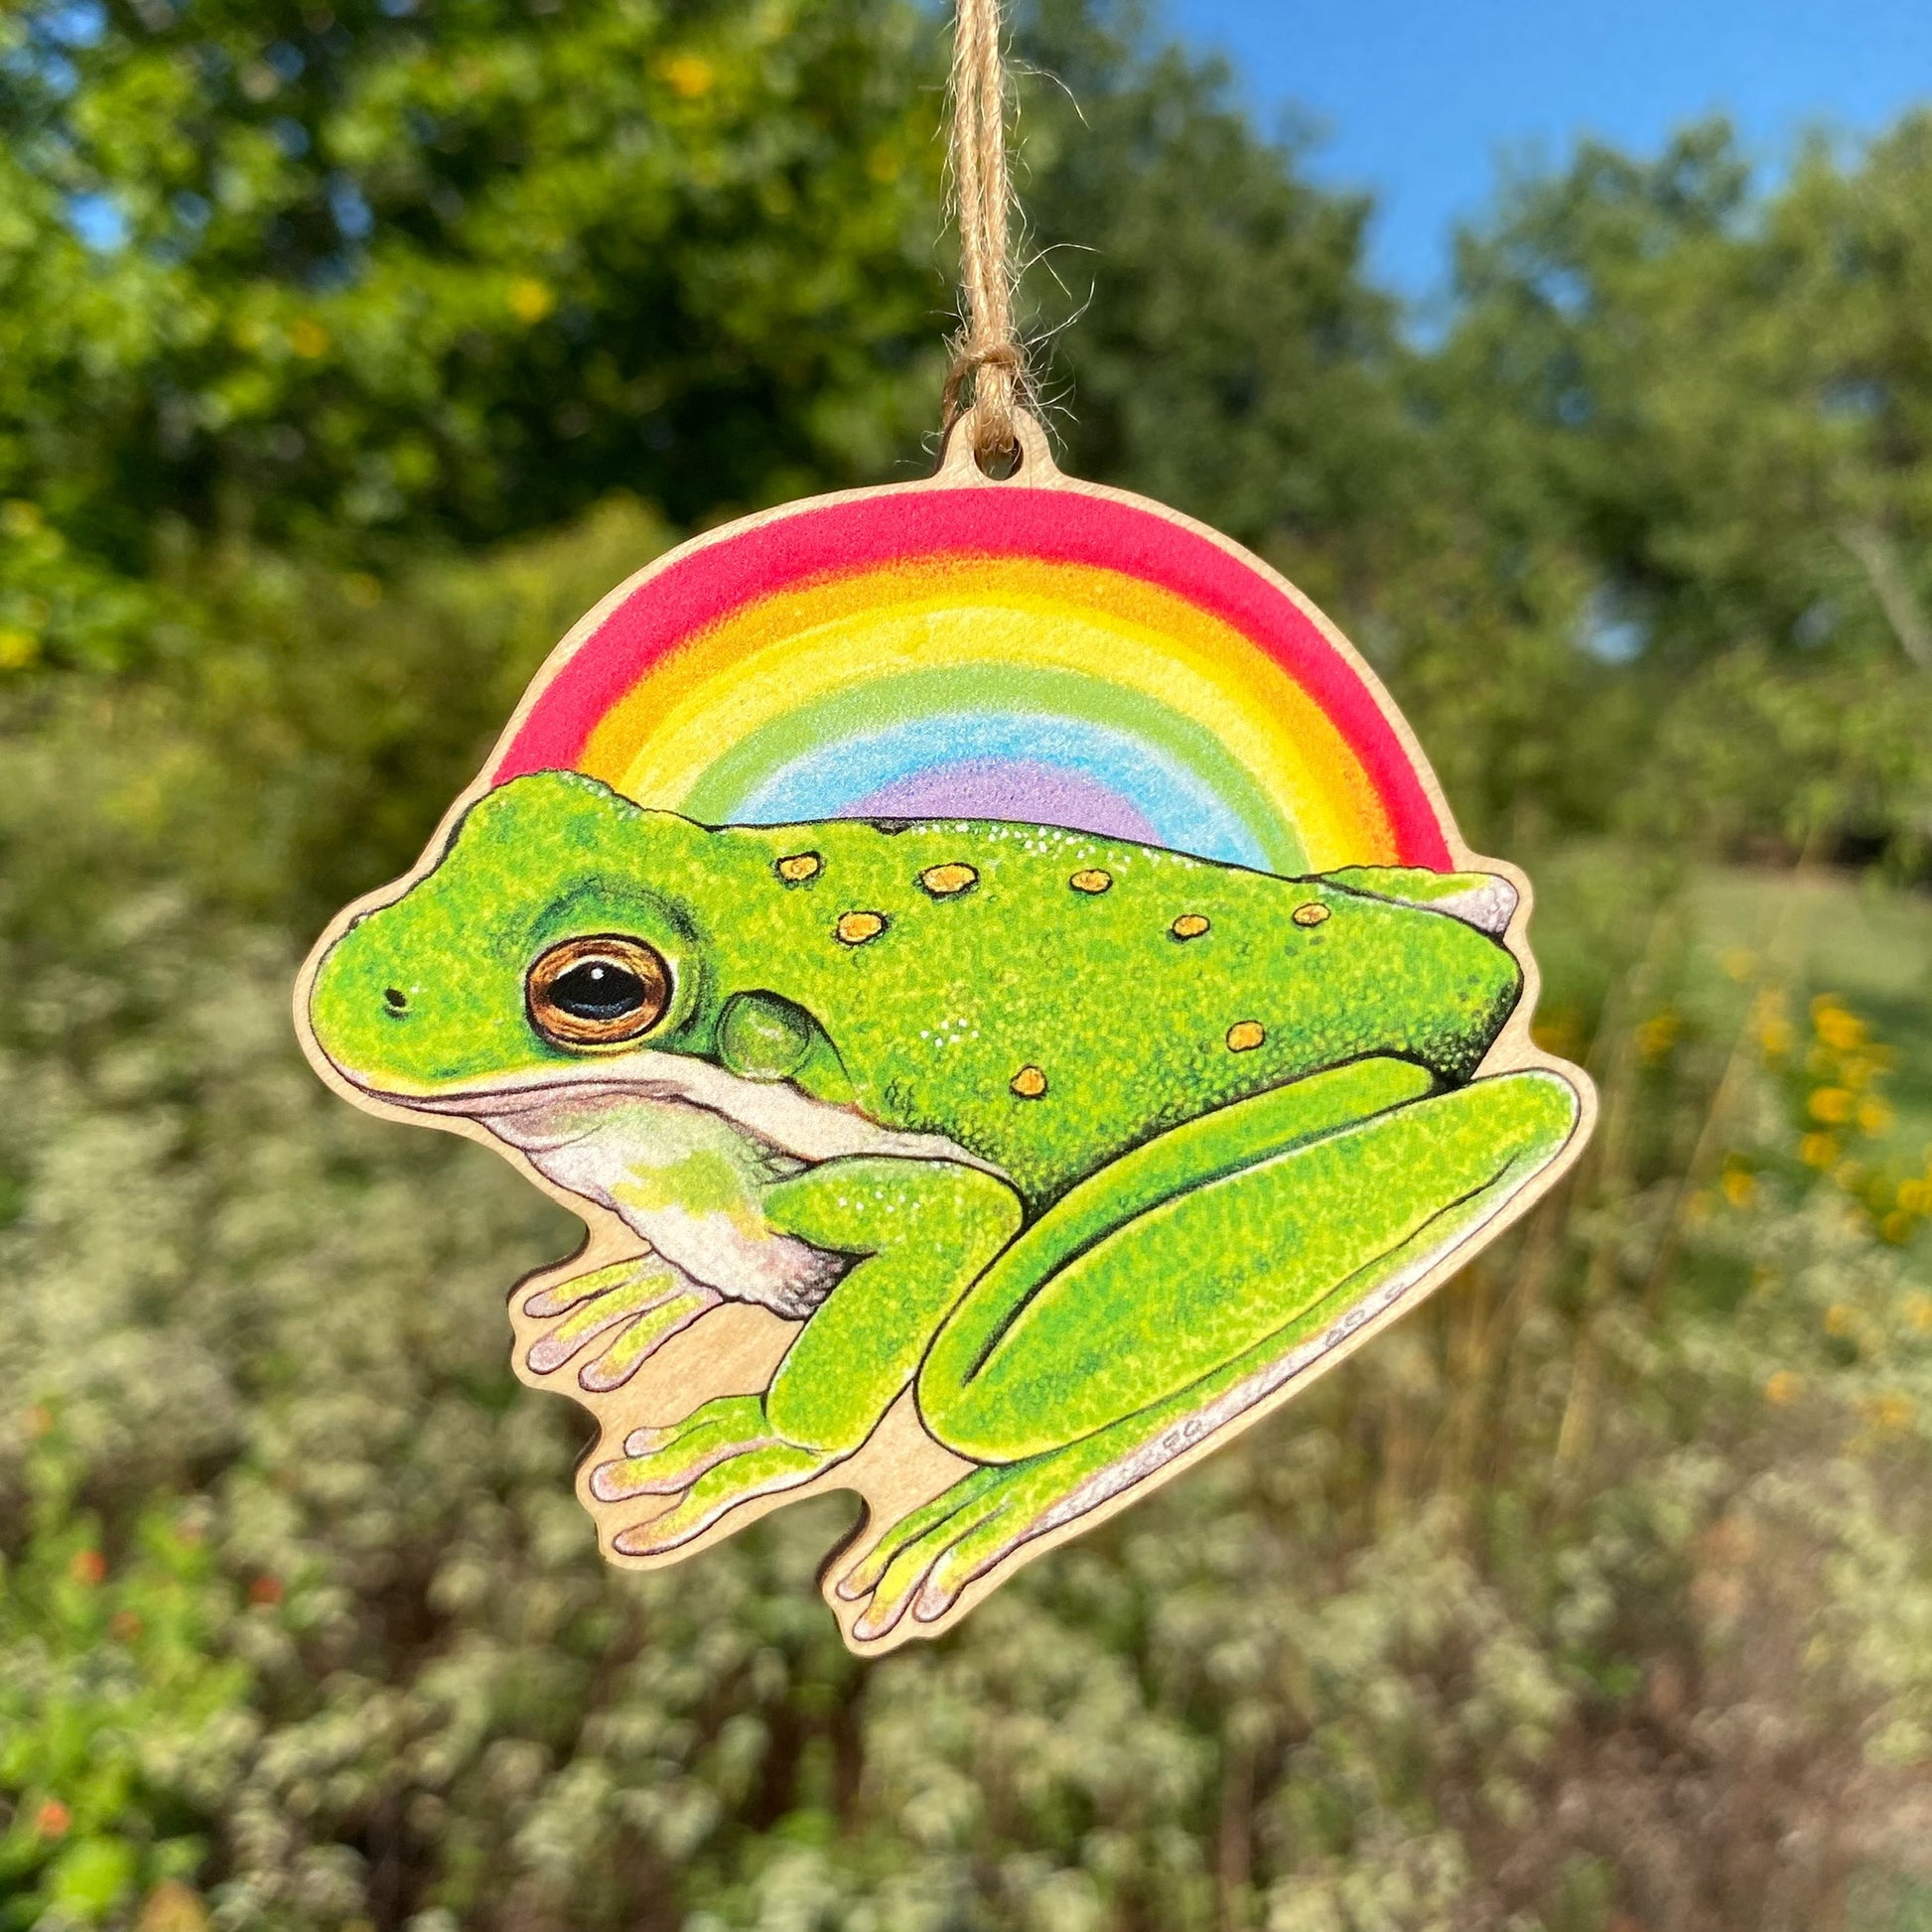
pixel 599 991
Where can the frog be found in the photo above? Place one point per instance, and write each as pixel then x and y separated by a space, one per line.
pixel 1084 1147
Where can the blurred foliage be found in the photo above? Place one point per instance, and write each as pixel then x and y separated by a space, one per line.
pixel 1714 406
pixel 319 274
pixel 124 1715
pixel 347 353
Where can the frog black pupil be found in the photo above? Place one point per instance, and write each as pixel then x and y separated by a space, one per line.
pixel 598 990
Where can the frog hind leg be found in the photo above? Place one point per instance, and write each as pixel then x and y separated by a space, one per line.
pixel 1079 1366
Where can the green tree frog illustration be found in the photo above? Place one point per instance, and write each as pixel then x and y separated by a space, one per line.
pixel 1088 1145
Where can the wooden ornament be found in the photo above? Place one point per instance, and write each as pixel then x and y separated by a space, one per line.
pixel 1086 1029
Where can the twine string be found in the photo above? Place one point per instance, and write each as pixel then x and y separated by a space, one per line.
pixel 984 353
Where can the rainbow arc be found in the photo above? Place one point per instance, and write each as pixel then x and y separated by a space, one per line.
pixel 1027 653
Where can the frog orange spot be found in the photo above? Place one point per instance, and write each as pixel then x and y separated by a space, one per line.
pixel 855 929
pixel 1029 1083
pixel 798 866
pixel 949 881
pixel 1191 926
pixel 1090 879
pixel 1311 913
pixel 1245 1035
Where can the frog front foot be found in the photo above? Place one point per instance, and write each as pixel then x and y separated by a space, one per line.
pixel 629 1310
pixel 723 1454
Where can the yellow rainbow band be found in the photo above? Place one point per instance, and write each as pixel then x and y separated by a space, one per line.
pixel 753 670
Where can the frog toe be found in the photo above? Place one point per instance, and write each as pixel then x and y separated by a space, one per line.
pixel 924 1561
pixel 722 1454
pixel 628 1311
pixel 905 1583
pixel 864 1576
pixel 647 1331
pixel 763 1470
pixel 667 1462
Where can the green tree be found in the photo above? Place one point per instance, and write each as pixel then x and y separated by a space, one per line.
pixel 1722 399
pixel 1211 337
pixel 1707 412
pixel 328 275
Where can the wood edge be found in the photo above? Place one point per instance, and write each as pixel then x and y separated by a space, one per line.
pixel 607 1239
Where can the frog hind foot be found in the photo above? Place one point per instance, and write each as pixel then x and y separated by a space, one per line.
pixel 621 1315
pixel 927 1557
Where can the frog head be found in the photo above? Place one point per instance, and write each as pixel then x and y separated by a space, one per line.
pixel 524 948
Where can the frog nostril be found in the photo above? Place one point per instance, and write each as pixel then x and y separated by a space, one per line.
pixel 396 998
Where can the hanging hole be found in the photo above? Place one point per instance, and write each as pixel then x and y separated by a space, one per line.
pixel 1001 465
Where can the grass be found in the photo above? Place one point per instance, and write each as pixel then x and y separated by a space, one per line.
pixel 1859 940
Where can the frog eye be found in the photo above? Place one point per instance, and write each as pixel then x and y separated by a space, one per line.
pixel 597 992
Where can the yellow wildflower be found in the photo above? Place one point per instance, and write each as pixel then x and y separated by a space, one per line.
pixel 530 299
pixel 1889 1412
pixel 689 76
pixel 1834 1025
pixel 1782 1388
pixel 1657 1035
pixel 1830 1104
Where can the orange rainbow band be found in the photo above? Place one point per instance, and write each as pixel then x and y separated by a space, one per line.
pixel 976 652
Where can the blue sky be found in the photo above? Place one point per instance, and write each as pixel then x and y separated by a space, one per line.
pixel 1420 102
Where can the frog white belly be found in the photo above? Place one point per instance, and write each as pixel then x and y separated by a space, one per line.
pixel 682 1152
pixel 687 1179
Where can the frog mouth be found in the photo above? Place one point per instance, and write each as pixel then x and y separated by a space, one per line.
pixel 774 1113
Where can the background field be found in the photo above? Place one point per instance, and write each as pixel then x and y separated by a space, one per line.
pixel 347 354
